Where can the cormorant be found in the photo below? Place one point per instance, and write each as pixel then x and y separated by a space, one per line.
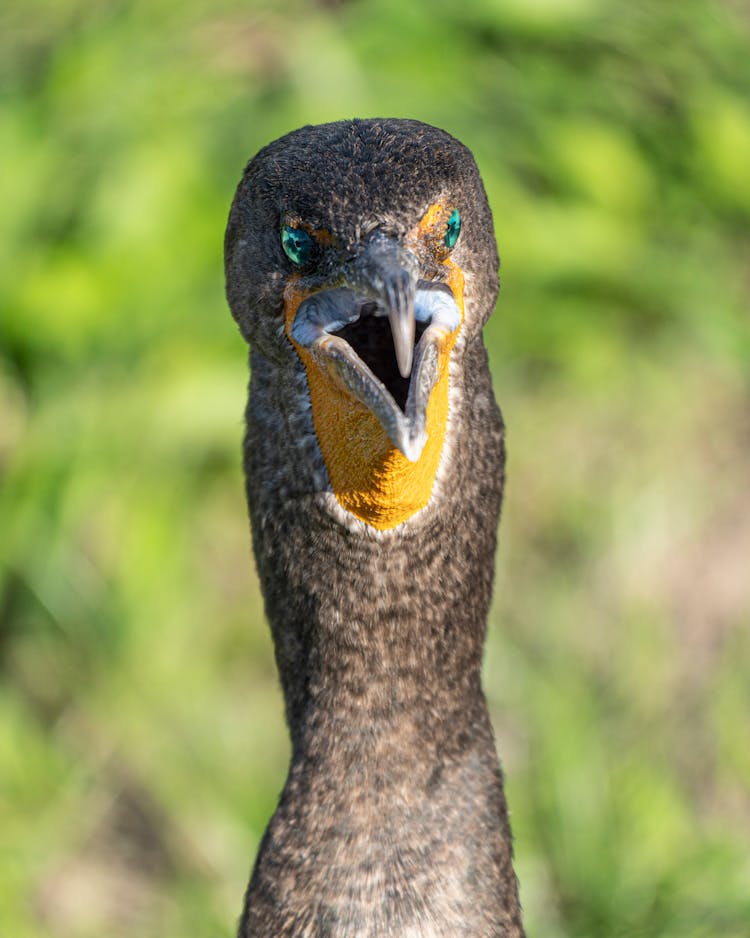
pixel 361 266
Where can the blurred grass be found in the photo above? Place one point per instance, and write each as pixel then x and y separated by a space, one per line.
pixel 141 738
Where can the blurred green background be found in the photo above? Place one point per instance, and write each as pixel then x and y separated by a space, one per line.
pixel 142 744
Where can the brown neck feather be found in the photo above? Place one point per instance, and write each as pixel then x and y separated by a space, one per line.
pixel 393 819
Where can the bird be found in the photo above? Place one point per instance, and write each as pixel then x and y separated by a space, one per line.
pixel 361 266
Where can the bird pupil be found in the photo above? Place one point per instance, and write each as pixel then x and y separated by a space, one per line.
pixel 452 229
pixel 297 244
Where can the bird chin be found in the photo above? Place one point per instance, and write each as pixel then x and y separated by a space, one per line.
pixel 348 339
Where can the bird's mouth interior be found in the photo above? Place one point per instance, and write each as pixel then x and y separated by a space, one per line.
pixel 370 337
pixel 350 340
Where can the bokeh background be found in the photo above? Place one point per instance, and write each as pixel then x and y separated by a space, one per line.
pixel 142 744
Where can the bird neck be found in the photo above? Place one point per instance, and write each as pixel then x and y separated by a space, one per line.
pixel 373 629
pixel 393 816
pixel 390 674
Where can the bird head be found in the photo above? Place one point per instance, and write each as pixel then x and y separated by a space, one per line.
pixel 361 256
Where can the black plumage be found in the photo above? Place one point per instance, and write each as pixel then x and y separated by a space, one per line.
pixel 392 821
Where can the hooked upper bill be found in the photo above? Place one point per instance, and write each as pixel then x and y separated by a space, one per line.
pixel 387 355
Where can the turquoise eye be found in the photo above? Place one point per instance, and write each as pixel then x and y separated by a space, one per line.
pixel 452 229
pixel 297 245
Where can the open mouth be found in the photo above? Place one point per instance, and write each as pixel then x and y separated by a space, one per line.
pixel 370 337
pixel 351 338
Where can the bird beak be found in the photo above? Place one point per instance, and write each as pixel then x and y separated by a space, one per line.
pixel 344 331
pixel 387 272
pixel 375 349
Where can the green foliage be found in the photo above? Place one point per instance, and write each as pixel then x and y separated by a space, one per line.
pixel 141 735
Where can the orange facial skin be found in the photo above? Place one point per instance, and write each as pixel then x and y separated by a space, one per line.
pixel 369 476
